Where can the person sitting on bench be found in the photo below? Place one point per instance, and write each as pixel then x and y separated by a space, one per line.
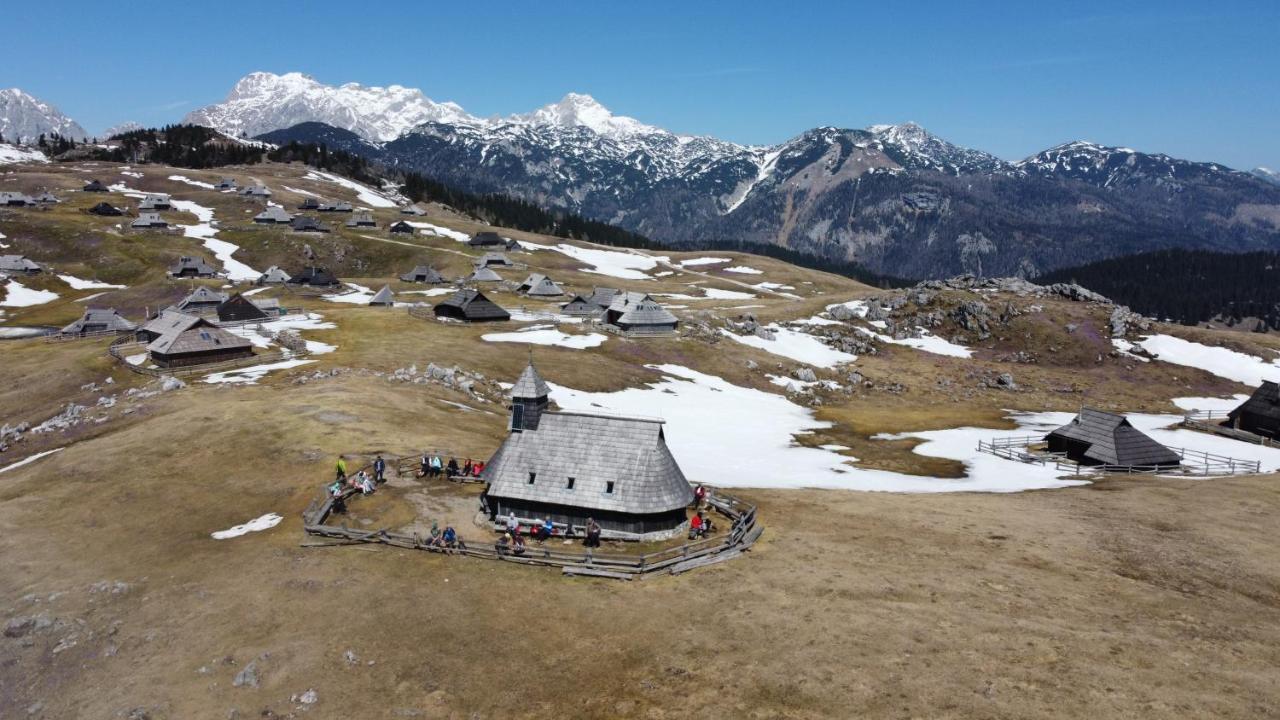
pixel 451 539
pixel 695 526
pixel 424 468
pixel 453 467
pixel 434 539
pixel 466 468
pixel 503 543
pixel 437 466
pixel 517 547
pixel 546 530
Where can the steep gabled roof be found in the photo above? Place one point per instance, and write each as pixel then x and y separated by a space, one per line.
pixel 363 218
pixel 193 337
pixel 94 186
pixel 106 208
pixel 594 450
pixel 192 263
pixel 149 219
pixel 99 319
pixel 18 263
pixel 486 239
pixel 539 285
pixel 484 274
pixel 202 296
pixel 1113 441
pixel 274 274
pixel 494 258
pixel 273 214
pixel 1264 403
pixel 640 309
pixel 239 307
pixel 426 272
pixel 602 297
pixel 474 306
pixel 383 297
pixel 314 276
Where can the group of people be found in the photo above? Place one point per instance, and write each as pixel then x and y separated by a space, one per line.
pixel 700 525
pixel 448 539
pixel 434 466
pixel 363 482
pixel 543 531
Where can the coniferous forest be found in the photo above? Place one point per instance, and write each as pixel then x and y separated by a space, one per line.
pixel 1187 286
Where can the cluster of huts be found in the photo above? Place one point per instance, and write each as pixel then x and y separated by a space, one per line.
pixel 17 199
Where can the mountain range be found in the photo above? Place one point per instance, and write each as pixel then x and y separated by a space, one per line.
pixel 23 119
pixel 896 199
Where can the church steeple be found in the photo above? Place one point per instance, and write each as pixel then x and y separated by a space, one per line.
pixel 528 399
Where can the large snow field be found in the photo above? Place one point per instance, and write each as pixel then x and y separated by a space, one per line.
pixel 1248 369
pixel 10 154
pixel 733 436
pixel 795 345
pixel 19 295
pixel 547 335
pixel 366 194
pixel 623 265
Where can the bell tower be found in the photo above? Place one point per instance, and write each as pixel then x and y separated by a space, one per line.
pixel 528 400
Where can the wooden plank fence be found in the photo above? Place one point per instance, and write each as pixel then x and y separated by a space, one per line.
pixel 1210 422
pixel 1194 462
pixel 744 531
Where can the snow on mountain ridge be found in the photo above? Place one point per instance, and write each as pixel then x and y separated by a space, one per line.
pixel 23 118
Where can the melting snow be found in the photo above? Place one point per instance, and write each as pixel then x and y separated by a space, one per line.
pixel 799 346
pixel 441 231
pixel 927 342
pixel 624 265
pixel 1248 369
pixel 365 193
pixel 29 460
pixel 718 294
pixel 744 270
pixel 189 181
pixel 10 154
pixel 19 295
pixel 78 284
pixel 431 293
pixel 541 335
pixel 301 192
pixel 251 375
pixel 704 261
pixel 257 524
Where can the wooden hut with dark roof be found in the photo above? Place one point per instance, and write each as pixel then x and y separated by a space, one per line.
pixel 106 209
pixel 239 308
pixel 639 315
pixel 155 201
pixel 19 265
pixel 470 306
pixel 383 298
pixel 99 320
pixel 226 183
pixel 190 340
pixel 94 186
pixel 1260 414
pixel 1095 437
pixel 202 299
pixel 273 215
pixel 400 228
pixel 314 277
pixel 309 204
pixel 363 218
pixel 423 274
pixel 487 239
pixel 484 274
pixel 306 224
pixel 575 466
pixel 46 198
pixel 192 267
pixel 494 258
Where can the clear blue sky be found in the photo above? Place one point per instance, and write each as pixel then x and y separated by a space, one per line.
pixel 1198 80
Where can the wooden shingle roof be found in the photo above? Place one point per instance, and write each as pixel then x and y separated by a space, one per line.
pixel 530 385
pixel 383 297
pixel 1113 441
pixel 424 274
pixel 594 450
pixel 273 274
pixel 474 306
pixel 202 296
pixel 484 274
pixel 539 285
pixel 1264 403
pixel 194 337
pixel 18 263
pixel 199 265
pixel 273 214
pixel 635 308
pixel 99 320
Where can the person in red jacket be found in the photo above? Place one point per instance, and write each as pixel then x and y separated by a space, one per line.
pixel 695 526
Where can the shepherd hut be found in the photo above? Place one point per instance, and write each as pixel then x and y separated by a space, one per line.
pixel 149 220
pixel 155 201
pixel 274 214
pixel 539 285
pixel 401 228
pixel 486 239
pixel 572 467
pixel 314 277
pixel 226 183
pixel 302 223
pixel 239 308
pixel 470 306
pixel 19 265
pixel 46 198
pixel 494 259
pixel 190 340
pixel 309 204
pixel 423 274
pixel 364 218
pixel 637 314
pixel 273 276
pixel 189 267
pixel 94 186
pixel 106 210
pixel 202 299
pixel 1260 414
pixel 484 274
pixel 384 297
pixel 99 320
pixel 1095 437
pixel 16 199
pixel 256 191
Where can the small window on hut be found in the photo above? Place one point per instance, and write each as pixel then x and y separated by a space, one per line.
pixel 532 477
pixel 570 483
pixel 517 417
pixel 608 488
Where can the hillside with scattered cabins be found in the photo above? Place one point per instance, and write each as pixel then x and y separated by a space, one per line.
pixel 850 414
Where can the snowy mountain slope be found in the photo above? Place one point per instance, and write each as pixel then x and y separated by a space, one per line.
pixel 24 118
pixel 1267 174
pixel 1122 167
pixel 261 102
pixel 122 128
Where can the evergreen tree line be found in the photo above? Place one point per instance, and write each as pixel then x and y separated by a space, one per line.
pixel 320 156
pixel 1187 286
pixel 186 146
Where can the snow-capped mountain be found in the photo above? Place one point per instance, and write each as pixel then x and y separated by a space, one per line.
pixel 1121 167
pixel 895 198
pixel 122 128
pixel 1267 174
pixel 261 102
pixel 24 118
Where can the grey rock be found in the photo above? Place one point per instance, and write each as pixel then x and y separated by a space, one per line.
pixel 247 677
pixel 805 374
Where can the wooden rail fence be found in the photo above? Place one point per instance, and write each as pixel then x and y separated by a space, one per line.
pixel 1194 462
pixel 744 530
pixel 1211 422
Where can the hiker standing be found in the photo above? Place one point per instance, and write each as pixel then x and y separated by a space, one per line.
pixel 341 469
pixel 379 467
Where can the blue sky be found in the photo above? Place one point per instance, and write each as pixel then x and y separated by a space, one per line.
pixel 1197 80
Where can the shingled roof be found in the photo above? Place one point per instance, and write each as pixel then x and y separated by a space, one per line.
pixel 99 320
pixel 470 305
pixel 539 285
pixel 423 274
pixel 202 297
pixel 494 258
pixel 94 186
pixel 599 452
pixel 189 334
pixel 192 265
pixel 1108 439
pixel 363 218
pixel 273 274
pixel 484 274
pixel 1261 412
pixel 273 214
pixel 383 297
pixel 19 264
pixel 529 385
pixel 630 309
pixel 106 209
pixel 149 220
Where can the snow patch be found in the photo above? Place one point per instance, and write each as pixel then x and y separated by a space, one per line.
pixel 547 336
pixel 258 524
pixel 78 284
pixel 1248 369
pixel 19 295
pixel 29 460
pixel 795 345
